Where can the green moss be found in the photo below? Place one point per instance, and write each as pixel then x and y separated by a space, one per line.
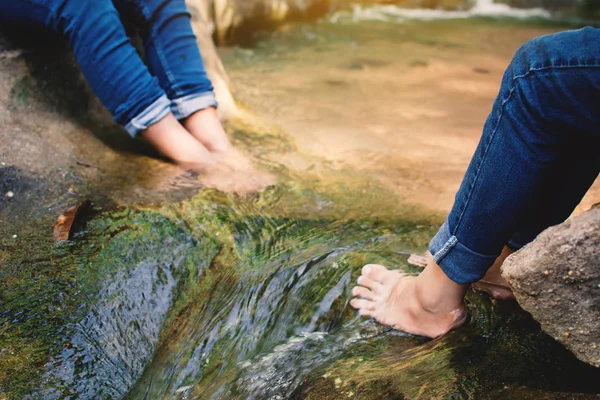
pixel 21 93
pixel 225 239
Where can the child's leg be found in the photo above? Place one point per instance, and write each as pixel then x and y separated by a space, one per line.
pixel 113 69
pixel 174 58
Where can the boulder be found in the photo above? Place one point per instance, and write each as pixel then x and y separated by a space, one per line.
pixel 556 278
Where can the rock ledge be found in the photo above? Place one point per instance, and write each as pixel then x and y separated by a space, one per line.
pixel 556 278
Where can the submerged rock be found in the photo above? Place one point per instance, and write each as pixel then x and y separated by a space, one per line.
pixel 557 279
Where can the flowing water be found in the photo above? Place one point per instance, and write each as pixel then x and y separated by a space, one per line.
pixel 228 297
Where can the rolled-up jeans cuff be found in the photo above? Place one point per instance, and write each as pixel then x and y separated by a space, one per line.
pixel 459 263
pixel 151 115
pixel 185 106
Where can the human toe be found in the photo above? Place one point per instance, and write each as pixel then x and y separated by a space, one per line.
pixel 371 285
pixel 363 293
pixel 362 304
pixel 375 272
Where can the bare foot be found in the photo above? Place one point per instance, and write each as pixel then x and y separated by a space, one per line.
pixel 428 305
pixel 206 126
pixel 493 283
pixel 236 180
pixel 173 141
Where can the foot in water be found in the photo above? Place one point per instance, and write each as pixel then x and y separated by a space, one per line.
pixel 428 305
pixel 493 283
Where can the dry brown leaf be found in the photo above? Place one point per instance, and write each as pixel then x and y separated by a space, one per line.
pixel 64 223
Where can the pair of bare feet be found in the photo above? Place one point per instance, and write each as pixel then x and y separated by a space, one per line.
pixel 196 142
pixel 199 143
pixel 429 304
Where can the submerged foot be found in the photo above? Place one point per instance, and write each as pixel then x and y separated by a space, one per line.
pixel 493 283
pixel 428 305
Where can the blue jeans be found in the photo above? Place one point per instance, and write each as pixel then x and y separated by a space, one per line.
pixel 538 155
pixel 137 95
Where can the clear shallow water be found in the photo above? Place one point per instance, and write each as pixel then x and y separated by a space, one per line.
pixel 253 304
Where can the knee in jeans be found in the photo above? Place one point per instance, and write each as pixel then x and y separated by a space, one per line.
pixel 79 17
pixel 567 48
pixel 531 55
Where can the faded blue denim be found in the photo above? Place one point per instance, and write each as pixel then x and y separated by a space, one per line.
pixel 137 95
pixel 538 155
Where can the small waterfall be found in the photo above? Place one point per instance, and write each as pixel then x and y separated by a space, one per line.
pixel 394 13
pixel 490 8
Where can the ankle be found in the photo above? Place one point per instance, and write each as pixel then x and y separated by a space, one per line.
pixel 436 293
pixel 170 138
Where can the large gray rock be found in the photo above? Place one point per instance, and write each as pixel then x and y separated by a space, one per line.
pixel 556 278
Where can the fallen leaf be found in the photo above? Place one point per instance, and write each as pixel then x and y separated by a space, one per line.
pixel 64 223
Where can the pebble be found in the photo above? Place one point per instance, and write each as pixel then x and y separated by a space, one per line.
pixel 548 272
pixel 15 236
pixel 3 164
pixel 10 195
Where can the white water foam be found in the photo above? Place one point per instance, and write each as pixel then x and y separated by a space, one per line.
pixel 392 13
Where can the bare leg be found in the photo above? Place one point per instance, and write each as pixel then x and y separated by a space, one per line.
pixel 173 141
pixel 428 305
pixel 205 126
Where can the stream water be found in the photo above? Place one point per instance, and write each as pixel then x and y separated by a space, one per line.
pixel 276 324
pixel 228 297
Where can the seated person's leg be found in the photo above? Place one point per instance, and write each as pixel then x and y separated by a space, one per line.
pixel 571 178
pixel 114 70
pixel 547 103
pixel 174 58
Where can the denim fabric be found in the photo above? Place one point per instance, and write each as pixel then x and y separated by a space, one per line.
pixel 137 95
pixel 538 155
